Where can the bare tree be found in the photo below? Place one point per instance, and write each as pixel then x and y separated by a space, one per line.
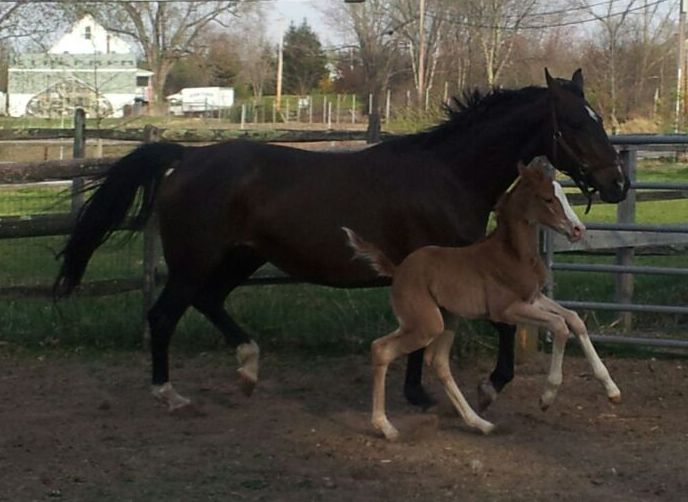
pixel 370 26
pixel 496 24
pixel 164 31
pixel 258 57
pixel 611 18
pixel 651 43
pixel 424 41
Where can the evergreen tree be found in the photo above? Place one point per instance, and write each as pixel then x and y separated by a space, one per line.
pixel 305 63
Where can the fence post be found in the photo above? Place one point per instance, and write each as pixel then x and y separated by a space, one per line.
pixel 151 134
pixel 388 103
pixel 625 213
pixel 78 152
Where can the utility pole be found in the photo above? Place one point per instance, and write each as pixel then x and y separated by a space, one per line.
pixel 280 61
pixel 680 64
pixel 421 54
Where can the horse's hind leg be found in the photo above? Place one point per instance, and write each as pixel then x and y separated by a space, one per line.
pixel 438 358
pixel 413 383
pixel 163 318
pixel 503 373
pixel 236 267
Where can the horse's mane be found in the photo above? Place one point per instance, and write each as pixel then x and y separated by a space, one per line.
pixel 472 108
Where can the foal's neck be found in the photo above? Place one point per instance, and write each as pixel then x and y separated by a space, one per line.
pixel 518 235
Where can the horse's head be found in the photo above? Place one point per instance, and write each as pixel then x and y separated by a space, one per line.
pixel 580 146
pixel 542 200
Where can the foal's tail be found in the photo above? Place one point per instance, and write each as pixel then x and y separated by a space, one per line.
pixel 374 255
pixel 114 195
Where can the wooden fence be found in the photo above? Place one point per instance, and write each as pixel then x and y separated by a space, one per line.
pixel 622 239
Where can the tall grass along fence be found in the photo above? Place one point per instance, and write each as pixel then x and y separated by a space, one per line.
pixel 141 269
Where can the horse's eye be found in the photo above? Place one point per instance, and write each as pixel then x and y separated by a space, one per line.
pixel 548 200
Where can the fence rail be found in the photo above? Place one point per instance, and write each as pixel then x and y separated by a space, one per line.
pixel 622 236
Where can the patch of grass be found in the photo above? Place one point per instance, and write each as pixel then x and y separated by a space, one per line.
pixel 299 317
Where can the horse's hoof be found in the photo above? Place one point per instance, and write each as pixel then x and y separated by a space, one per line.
pixel 246 382
pixel 616 399
pixel 418 397
pixel 187 410
pixel 487 394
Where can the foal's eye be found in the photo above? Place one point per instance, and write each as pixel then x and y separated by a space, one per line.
pixel 548 200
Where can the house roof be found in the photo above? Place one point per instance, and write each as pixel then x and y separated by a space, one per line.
pixel 89 37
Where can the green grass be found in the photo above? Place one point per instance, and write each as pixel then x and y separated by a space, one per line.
pixel 303 317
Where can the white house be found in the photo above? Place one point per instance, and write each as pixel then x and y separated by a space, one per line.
pixel 88 68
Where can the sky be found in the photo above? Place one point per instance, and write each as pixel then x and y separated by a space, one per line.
pixel 283 12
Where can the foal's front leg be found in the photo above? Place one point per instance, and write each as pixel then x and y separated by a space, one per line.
pixel 577 326
pixel 536 314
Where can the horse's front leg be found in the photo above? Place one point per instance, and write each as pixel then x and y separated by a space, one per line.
pixel 489 389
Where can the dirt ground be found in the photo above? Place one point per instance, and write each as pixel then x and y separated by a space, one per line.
pixel 78 428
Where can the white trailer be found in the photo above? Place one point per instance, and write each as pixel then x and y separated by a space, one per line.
pixel 200 100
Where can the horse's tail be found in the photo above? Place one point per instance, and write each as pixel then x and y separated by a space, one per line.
pixel 113 197
pixel 374 255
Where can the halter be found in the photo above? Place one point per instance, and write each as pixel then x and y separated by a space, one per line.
pixel 578 175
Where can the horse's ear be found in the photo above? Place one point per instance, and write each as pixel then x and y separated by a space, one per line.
pixel 551 83
pixel 577 79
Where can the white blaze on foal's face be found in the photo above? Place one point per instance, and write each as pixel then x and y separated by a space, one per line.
pixel 576 225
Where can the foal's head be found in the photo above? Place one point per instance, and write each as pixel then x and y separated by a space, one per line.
pixel 537 198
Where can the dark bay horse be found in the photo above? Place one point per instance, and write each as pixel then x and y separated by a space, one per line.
pixel 498 278
pixel 226 209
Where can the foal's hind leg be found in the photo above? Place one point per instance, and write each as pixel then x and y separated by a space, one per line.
pixel 385 350
pixel 489 389
pixel 438 358
pixel 236 267
pixel 413 385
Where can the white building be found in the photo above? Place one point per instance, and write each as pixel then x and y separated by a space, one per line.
pixel 87 68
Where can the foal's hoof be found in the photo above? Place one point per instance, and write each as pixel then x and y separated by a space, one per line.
pixel 246 382
pixel 487 394
pixel 544 406
pixel 616 399
pixel 417 396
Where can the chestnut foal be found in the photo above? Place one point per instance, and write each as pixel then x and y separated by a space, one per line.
pixel 498 278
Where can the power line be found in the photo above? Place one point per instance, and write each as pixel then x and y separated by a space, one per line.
pixel 544 26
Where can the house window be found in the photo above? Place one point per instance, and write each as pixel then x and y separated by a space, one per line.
pixel 87 33
pixel 141 81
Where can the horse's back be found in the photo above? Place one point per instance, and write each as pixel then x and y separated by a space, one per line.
pixel 290 204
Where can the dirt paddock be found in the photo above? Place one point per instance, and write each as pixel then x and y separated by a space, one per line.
pixel 78 428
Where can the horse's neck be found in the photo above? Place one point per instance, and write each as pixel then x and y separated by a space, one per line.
pixel 491 161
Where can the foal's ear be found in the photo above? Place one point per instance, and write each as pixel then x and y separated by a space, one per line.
pixel 577 79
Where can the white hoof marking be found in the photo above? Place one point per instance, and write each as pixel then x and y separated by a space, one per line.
pixel 166 394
